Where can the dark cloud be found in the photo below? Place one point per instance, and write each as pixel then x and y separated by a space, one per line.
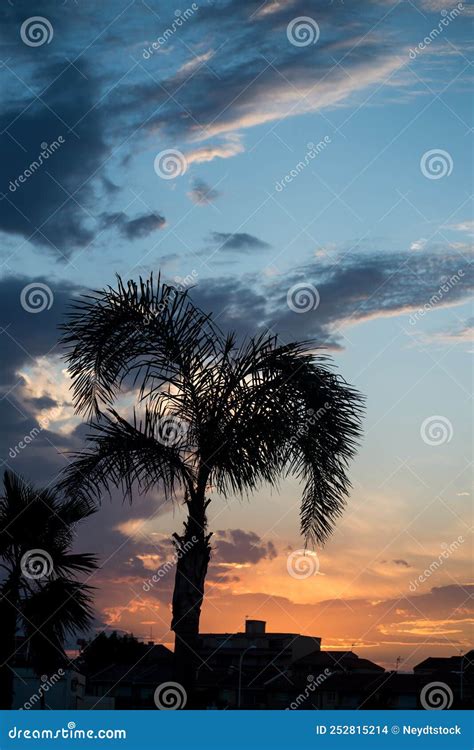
pixel 348 290
pixel 110 187
pixel 43 402
pixel 132 229
pixel 202 194
pixel 26 334
pixel 238 546
pixel 261 74
pixel 400 562
pixel 51 148
pixel 25 446
pixel 239 241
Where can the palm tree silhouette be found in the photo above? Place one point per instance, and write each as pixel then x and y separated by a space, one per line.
pixel 40 593
pixel 210 412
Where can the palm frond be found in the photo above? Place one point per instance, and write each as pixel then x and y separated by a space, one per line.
pixel 145 331
pixel 122 455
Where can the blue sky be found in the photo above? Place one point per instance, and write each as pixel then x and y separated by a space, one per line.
pixel 367 221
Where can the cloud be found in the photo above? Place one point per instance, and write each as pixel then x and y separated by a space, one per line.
pixel 462 332
pixel 194 63
pixel 353 289
pixel 239 241
pixel 238 547
pixel 132 229
pixel 27 338
pixel 230 147
pixel 27 335
pixel 51 148
pixel 42 402
pixel 202 194
pixel 258 76
pixel 418 244
pixel 463 226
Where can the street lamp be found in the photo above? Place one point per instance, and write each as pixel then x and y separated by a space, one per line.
pixel 249 648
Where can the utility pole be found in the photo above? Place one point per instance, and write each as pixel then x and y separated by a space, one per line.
pixel 239 695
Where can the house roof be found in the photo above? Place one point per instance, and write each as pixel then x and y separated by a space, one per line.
pixel 337 660
pixel 447 664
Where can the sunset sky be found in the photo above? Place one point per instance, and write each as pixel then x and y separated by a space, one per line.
pixel 378 221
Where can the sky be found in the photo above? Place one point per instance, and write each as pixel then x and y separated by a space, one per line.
pixel 301 167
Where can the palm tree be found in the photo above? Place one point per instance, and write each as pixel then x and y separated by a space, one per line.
pixel 210 412
pixel 39 591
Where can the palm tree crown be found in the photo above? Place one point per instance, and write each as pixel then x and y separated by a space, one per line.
pixel 210 411
pixel 39 590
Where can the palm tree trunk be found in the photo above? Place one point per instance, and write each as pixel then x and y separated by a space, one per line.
pixel 193 551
